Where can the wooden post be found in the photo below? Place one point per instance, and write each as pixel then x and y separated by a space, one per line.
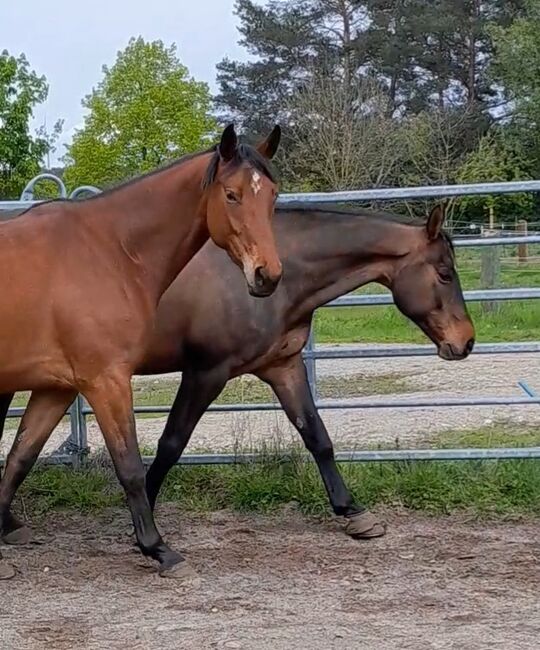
pixel 491 218
pixel 523 249
pixel 490 271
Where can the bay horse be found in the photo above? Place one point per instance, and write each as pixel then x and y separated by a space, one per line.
pixel 81 281
pixel 221 333
pixel 326 252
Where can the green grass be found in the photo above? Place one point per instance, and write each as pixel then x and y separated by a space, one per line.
pixel 515 321
pixel 252 391
pixel 481 487
pixel 499 435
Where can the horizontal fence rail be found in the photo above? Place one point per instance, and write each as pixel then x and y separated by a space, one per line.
pixel 378 194
pixel 364 300
pixel 74 449
pixel 383 455
pixel 411 193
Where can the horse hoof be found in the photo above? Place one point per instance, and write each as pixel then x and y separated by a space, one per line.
pixel 18 536
pixel 182 571
pixel 364 525
pixel 6 571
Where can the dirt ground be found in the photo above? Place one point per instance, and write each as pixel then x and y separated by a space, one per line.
pixel 276 583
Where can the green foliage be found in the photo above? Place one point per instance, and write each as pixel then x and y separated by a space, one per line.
pixel 21 153
pixel 426 53
pixel 516 68
pixel 428 63
pixel 495 159
pixel 145 111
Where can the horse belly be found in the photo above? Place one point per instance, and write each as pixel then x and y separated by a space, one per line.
pixel 277 350
pixel 29 357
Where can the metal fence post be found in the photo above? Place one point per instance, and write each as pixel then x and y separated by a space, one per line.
pixel 77 443
pixel 310 361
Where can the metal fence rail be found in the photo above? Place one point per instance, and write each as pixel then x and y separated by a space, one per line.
pixel 75 447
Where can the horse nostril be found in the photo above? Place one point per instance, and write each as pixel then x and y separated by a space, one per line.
pixel 261 278
pixel 470 345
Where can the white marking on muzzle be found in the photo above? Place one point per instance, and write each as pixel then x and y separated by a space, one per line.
pixel 256 182
pixel 248 267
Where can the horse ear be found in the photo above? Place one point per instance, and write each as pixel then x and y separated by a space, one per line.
pixel 228 144
pixel 435 222
pixel 268 147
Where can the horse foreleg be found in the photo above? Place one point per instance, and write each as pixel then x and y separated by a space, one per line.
pixel 290 384
pixel 5 402
pixel 197 391
pixel 112 401
pixel 44 411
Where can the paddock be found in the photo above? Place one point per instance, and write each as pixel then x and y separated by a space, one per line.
pixel 280 583
pixel 288 580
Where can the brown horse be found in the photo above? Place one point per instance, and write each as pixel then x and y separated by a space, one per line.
pixel 81 281
pixel 220 333
pixel 326 252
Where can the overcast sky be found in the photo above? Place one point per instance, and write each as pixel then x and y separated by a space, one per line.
pixel 68 41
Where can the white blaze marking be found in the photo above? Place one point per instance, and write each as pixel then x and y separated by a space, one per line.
pixel 256 182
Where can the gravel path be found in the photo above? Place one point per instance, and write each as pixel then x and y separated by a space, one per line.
pixel 482 375
pixel 279 583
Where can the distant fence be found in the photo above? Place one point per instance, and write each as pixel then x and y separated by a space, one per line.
pixel 75 446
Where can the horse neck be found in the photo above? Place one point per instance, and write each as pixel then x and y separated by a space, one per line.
pixel 332 255
pixel 160 220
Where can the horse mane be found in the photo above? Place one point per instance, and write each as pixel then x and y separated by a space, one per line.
pixel 333 209
pixel 245 153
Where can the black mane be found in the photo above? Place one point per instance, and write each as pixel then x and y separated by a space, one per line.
pixel 245 153
pixel 333 209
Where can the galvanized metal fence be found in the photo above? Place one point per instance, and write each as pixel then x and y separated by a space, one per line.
pixel 75 447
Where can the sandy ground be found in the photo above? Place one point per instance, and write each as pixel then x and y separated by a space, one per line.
pixel 277 583
pixel 493 375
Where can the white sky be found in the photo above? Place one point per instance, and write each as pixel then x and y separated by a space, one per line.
pixel 68 41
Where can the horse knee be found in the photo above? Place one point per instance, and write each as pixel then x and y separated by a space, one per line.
pixel 132 479
pixel 321 449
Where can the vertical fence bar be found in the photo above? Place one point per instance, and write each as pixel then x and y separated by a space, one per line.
pixel 490 271
pixel 78 438
pixel 311 367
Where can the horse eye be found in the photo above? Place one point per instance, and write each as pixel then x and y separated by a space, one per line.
pixel 231 196
pixel 445 275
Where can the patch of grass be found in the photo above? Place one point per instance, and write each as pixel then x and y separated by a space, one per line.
pixel 251 390
pixel 493 487
pixel 514 321
pixel 89 489
pixel 498 435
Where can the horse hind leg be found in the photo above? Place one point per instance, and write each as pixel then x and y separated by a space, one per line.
pixel 44 411
pixel 289 383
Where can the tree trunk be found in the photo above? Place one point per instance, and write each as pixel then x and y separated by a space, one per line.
pixel 471 89
pixel 345 15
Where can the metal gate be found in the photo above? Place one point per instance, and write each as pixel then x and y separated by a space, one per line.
pixel 75 447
